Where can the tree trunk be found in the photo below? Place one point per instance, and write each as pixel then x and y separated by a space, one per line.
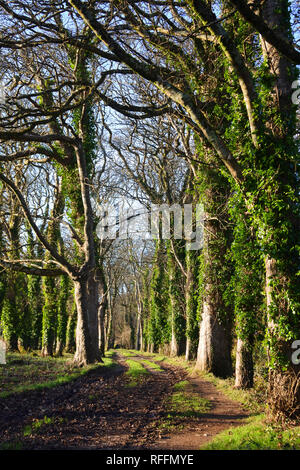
pixel 59 348
pixel 188 350
pixel 62 319
pixel 270 265
pixel 49 316
pixel 189 313
pixel 174 343
pixel 214 343
pixel 87 345
pixel 192 326
pixel 71 330
pixel 214 347
pixel 109 332
pixel 102 312
pixel 177 320
pixel 282 269
pixel 244 365
pixel 139 333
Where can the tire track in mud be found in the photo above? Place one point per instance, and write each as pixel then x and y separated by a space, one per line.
pixel 163 379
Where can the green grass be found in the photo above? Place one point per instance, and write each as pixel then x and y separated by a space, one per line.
pixel 126 352
pixel 256 435
pixel 181 406
pixel 109 360
pixel 180 362
pixel 25 372
pixel 38 424
pixel 156 356
pixel 181 385
pixel 15 445
pixel 152 365
pixel 137 367
pixel 135 372
pixel 187 404
pixel 133 352
pixel 254 400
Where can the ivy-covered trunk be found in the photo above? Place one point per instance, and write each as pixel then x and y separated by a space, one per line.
pixel 62 319
pixel 177 320
pixel 174 347
pixel 34 300
pixel 245 291
pixel 71 330
pixel 3 274
pixel 214 349
pixel 191 290
pixel 10 317
pixel 50 290
pixel 282 227
pixel 49 316
pixel 159 301
pixel 102 311
pixel 244 364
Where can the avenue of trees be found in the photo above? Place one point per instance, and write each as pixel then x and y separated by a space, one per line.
pixel 158 102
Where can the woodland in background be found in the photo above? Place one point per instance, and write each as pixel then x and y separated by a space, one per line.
pixel 159 102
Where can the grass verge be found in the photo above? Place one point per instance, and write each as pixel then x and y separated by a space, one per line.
pixel 256 435
pixel 253 400
pixel 27 372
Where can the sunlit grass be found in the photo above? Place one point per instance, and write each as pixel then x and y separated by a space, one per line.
pixel 183 405
pixel 181 385
pixel 179 362
pixel 254 400
pixel 188 405
pixel 26 372
pixel 38 424
pixel 135 372
pixel 157 357
pixel 256 435
pixel 152 365
pixel 125 352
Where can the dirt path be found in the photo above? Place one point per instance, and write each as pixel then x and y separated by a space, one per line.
pixel 97 411
pixel 224 414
